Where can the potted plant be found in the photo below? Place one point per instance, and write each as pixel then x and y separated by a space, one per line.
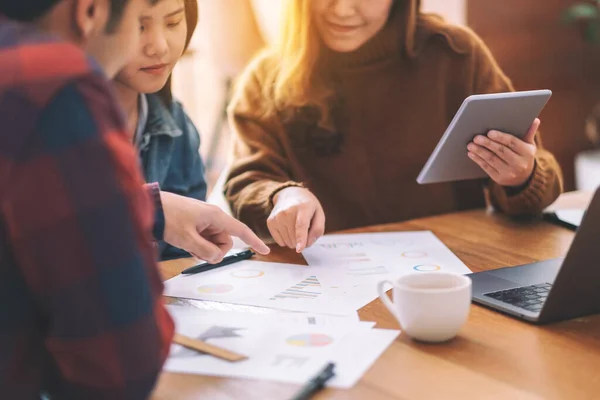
pixel 586 15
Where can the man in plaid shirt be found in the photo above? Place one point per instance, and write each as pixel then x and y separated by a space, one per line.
pixel 80 309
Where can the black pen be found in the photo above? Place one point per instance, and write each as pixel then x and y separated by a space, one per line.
pixel 315 384
pixel 242 255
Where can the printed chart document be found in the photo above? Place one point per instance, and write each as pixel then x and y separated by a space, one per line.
pixel 284 351
pixel 341 278
pixel 204 305
pixel 359 260
pixel 280 317
pixel 273 285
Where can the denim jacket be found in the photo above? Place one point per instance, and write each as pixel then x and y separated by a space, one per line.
pixel 168 145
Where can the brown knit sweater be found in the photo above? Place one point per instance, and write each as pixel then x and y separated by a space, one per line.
pixel 395 96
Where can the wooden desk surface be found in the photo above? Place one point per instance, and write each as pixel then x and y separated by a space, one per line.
pixel 494 356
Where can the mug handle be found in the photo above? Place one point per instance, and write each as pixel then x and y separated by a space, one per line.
pixel 384 297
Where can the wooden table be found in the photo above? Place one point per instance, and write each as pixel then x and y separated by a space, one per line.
pixel 494 357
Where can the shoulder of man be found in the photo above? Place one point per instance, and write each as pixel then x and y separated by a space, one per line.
pixel 37 65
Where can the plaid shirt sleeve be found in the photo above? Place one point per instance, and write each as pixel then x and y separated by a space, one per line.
pixel 80 224
pixel 158 230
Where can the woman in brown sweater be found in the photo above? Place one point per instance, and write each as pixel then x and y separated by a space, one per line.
pixel 340 118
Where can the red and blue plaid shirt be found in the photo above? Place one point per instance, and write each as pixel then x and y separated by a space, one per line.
pixel 81 314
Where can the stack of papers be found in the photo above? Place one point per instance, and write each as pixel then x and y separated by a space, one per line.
pixel 341 278
pixel 283 286
pixel 288 348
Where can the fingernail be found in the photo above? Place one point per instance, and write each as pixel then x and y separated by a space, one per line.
pixel 298 247
pixel 493 134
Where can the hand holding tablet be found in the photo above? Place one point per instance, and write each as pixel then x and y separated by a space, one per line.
pixel 490 135
pixel 508 160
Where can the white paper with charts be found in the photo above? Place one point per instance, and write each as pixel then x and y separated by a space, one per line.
pixel 367 258
pixel 276 316
pixel 279 351
pixel 273 285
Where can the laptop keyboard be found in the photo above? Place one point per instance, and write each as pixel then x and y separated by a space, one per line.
pixel 531 298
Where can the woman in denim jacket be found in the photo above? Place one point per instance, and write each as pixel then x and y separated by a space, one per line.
pixel 163 134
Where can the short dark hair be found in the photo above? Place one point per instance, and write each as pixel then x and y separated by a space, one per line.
pixel 30 10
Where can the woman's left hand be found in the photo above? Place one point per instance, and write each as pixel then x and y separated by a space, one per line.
pixel 508 160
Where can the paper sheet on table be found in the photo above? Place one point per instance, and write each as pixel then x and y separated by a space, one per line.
pixel 213 306
pixel 572 217
pixel 298 318
pixel 273 285
pixel 341 278
pixel 362 260
pixel 285 352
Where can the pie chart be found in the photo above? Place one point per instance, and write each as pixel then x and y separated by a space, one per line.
pixel 310 340
pixel 427 268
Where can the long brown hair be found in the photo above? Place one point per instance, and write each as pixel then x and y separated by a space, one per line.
pixel 294 79
pixel 191 19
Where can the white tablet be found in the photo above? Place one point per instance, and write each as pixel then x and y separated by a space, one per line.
pixel 512 113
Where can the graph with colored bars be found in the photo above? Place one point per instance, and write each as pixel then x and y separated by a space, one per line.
pixel 309 288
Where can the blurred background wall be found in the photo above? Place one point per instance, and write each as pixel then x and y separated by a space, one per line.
pixel 536 50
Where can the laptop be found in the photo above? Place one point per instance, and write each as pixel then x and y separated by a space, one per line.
pixel 553 290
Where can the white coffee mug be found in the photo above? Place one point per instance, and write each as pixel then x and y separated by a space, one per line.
pixel 430 306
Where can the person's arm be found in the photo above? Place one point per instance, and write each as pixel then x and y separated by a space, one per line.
pixel 260 168
pixel 190 170
pixel 545 181
pixel 80 225
pixel 190 224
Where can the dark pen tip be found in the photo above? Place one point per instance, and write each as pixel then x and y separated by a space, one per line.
pixel 331 370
